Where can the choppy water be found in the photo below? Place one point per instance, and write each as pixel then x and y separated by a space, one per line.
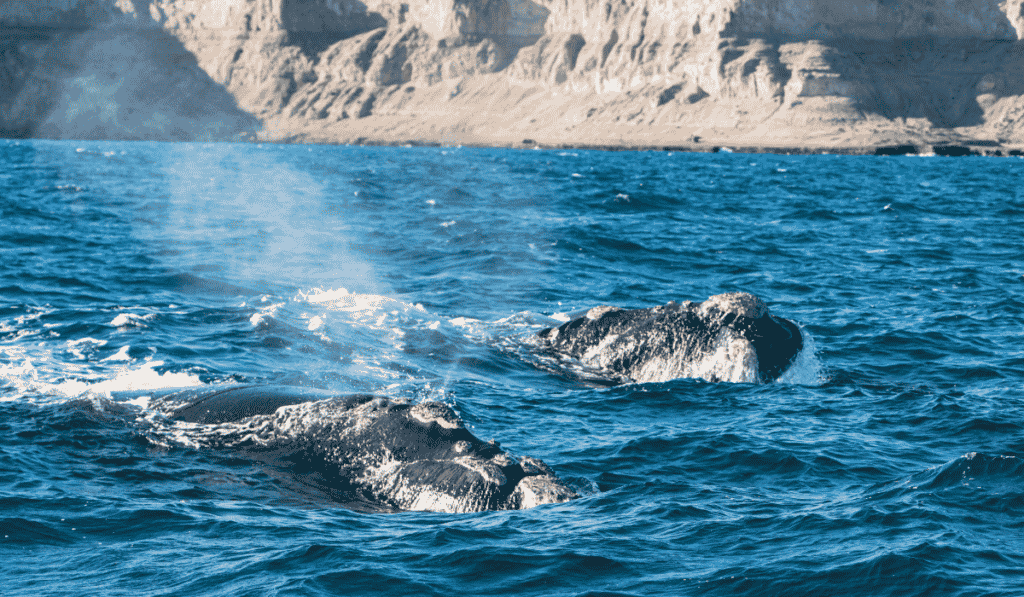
pixel 888 462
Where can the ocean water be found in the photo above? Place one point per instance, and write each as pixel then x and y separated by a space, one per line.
pixel 889 460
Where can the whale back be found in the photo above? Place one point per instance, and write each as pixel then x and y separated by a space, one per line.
pixel 239 402
pixel 729 337
pixel 368 452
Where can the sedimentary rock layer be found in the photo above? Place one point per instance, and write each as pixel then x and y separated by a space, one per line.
pixel 823 73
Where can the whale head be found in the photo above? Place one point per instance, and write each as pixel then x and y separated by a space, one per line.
pixel 775 341
pixel 728 337
pixel 368 452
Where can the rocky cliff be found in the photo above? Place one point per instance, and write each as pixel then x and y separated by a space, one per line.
pixel 805 73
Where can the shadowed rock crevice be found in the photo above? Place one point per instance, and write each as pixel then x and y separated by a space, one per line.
pixel 669 94
pixel 613 39
pixel 315 25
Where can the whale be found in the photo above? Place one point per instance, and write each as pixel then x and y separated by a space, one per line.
pixel 369 452
pixel 728 337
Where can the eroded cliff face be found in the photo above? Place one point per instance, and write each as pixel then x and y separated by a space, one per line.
pixel 644 72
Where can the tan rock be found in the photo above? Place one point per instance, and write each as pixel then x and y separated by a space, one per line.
pixel 805 73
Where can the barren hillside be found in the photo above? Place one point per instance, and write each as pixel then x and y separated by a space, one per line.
pixel 778 73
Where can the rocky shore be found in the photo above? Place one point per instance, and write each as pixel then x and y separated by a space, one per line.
pixel 789 76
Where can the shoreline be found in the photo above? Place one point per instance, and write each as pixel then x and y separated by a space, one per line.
pixel 969 149
pixel 909 149
pixel 302 72
pixel 457 128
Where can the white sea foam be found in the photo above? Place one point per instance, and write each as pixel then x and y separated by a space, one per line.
pixel 364 307
pixel 120 355
pixel 41 376
pixel 265 313
pixel 131 320
pixel 20 327
pixel 807 369
pixel 129 379
pixel 83 348
pixel 373 328
pixel 121 320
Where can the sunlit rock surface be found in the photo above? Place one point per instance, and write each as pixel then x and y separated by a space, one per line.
pixel 810 73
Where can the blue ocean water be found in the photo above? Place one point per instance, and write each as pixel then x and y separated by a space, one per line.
pixel 888 461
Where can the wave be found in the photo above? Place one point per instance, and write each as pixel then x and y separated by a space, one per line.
pixel 995 473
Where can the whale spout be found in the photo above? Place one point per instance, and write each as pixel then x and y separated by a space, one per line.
pixel 728 337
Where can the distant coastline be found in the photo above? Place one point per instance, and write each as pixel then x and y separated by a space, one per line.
pixel 906 78
pixel 965 149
